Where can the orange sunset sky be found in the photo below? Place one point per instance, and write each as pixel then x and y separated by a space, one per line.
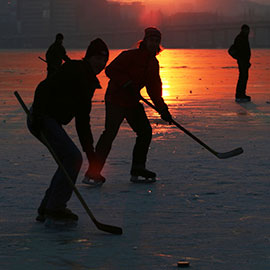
pixel 172 6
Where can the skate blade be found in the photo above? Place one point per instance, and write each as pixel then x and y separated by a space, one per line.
pixel 242 100
pixel 143 180
pixel 91 183
pixel 40 218
pixel 60 223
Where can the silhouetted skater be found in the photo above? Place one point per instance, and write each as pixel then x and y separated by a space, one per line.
pixel 243 54
pixel 67 95
pixel 129 73
pixel 55 55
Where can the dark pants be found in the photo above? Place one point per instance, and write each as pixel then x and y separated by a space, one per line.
pixel 140 124
pixel 59 191
pixel 243 67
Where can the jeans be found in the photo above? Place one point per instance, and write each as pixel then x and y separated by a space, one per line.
pixel 59 191
pixel 140 124
pixel 243 67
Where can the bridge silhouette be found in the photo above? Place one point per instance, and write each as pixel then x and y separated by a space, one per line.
pixel 216 35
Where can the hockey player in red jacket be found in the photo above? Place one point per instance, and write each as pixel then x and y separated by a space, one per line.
pixel 129 73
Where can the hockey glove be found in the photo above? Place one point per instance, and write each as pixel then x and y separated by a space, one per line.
pixel 91 161
pixel 165 115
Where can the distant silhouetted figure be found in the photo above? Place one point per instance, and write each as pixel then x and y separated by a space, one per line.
pixel 243 53
pixel 55 55
pixel 129 72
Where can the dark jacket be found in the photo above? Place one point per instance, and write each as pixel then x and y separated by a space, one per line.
pixel 141 69
pixel 69 94
pixel 55 54
pixel 243 49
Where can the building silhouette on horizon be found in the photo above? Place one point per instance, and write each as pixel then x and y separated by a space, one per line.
pixel 34 23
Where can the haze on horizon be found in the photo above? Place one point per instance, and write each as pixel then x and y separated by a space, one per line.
pixel 173 6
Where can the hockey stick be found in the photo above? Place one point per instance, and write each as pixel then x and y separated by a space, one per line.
pixel 42 59
pixel 100 226
pixel 229 154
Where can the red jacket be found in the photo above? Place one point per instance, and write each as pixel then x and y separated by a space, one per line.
pixel 140 68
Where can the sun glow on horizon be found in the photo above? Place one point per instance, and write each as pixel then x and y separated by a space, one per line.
pixel 165 7
pixel 165 87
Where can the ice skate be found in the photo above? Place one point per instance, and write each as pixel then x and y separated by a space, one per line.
pixel 142 175
pixel 41 214
pixel 40 217
pixel 242 99
pixel 60 223
pixel 94 180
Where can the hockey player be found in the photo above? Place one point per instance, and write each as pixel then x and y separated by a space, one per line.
pixel 129 73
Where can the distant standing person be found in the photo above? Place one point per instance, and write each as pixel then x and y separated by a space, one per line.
pixel 243 54
pixel 67 95
pixel 55 55
pixel 129 73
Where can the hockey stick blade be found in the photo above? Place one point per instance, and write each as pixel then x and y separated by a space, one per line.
pixel 225 155
pixel 233 153
pixel 109 228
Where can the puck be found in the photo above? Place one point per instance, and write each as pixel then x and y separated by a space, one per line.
pixel 183 264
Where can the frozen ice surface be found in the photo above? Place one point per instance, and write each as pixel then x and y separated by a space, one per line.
pixel 213 213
